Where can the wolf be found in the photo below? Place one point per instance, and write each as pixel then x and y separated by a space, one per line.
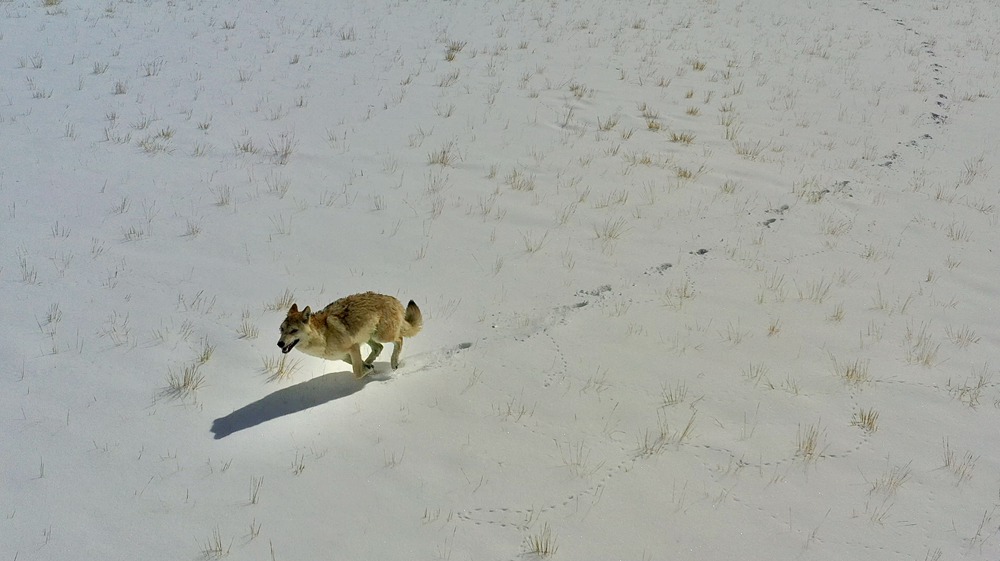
pixel 337 331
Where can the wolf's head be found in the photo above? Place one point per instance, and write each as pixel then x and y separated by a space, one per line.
pixel 295 328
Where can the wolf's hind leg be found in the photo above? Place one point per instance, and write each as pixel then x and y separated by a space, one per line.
pixel 376 349
pixel 397 348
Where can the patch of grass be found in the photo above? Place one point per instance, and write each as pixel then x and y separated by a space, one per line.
pixel 809 445
pixel 729 187
pixel 214 547
pixel 580 91
pixel 255 484
pixel 734 334
pixel 542 544
pixel 277 185
pixel 184 383
pixel 449 79
pixel 889 482
pixel 246 146
pixel 278 369
pixel 756 373
pixel 815 291
pixel 608 123
pixel 920 346
pixel 838 313
pixel 853 372
pixel 866 420
pixel 133 233
pixel 452 49
pixel 749 150
pixel 614 198
pixel 958 232
pixel 223 195
pixel 576 456
pixel 682 137
pixel 970 391
pixel 673 395
pixel 834 226
pixel 532 243
pixel 961 337
pixel 154 144
pixel 152 68
pixel 442 157
pixel 688 174
pixel 519 181
pixel 247 329
pixel 282 148
pixel 282 302
pixel 611 230
pixel 676 295
pixel 961 467
pixel 205 354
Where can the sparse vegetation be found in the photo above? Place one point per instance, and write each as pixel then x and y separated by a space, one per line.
pixel 682 137
pixel 866 420
pixel 543 543
pixel 183 383
pixel 622 255
pixel 809 443
pixel 854 373
pixel 215 547
pixel 282 302
pixel 281 368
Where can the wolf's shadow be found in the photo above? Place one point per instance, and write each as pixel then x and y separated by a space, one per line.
pixel 301 396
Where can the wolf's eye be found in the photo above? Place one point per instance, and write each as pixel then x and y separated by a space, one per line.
pixel 294 331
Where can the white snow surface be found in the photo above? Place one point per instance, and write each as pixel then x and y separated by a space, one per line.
pixel 701 279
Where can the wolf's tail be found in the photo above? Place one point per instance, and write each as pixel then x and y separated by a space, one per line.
pixel 413 320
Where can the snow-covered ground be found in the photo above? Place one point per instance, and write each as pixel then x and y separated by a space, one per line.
pixel 701 279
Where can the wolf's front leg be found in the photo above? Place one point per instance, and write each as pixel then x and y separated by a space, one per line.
pixel 368 367
pixel 357 364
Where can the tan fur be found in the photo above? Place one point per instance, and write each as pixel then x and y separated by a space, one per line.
pixel 338 330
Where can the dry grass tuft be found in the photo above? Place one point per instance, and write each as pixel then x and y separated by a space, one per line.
pixel 183 384
pixel 278 369
pixel 542 544
pixel 809 444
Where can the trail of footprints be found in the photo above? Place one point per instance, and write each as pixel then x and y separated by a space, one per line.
pixel 938 115
pixel 712 457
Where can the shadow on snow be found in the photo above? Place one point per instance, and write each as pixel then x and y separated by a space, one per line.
pixel 301 396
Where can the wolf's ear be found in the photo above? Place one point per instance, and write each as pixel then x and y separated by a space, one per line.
pixel 306 313
pixel 294 309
